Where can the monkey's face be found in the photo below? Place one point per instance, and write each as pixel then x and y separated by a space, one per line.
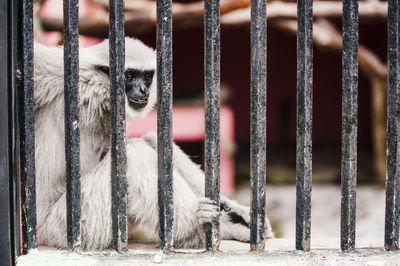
pixel 140 89
pixel 139 75
pixel 137 87
pixel 140 78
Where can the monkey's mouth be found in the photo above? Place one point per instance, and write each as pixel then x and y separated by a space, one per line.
pixel 138 103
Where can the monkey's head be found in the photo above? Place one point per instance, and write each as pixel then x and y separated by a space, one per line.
pixel 139 75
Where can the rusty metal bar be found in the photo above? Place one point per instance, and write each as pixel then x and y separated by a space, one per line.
pixel 118 125
pixel 258 123
pixel 304 124
pixel 392 216
pixel 164 123
pixel 26 124
pixel 212 114
pixel 71 98
pixel 349 123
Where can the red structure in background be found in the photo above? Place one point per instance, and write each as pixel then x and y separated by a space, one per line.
pixel 188 126
pixel 54 9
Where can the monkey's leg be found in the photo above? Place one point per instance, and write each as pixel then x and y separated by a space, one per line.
pixel 95 212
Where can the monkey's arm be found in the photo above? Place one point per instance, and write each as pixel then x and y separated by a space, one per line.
pixel 191 211
pixel 235 218
pixel 189 170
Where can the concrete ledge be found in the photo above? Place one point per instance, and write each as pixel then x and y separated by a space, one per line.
pixel 278 252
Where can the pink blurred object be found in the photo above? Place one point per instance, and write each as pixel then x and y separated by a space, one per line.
pixel 188 125
pixel 54 9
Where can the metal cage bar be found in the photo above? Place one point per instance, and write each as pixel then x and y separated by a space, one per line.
pixel 212 114
pixel 6 206
pixel 392 216
pixel 12 52
pixel 258 123
pixel 349 124
pixel 71 79
pixel 304 124
pixel 26 124
pixel 164 123
pixel 118 125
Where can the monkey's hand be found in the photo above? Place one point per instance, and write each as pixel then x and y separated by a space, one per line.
pixel 207 210
pixel 235 221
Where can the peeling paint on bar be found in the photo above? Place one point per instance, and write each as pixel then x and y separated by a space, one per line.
pixel 164 123
pixel 118 125
pixel 26 122
pixel 212 114
pixel 304 124
pixel 349 124
pixel 392 217
pixel 258 123
pixel 71 98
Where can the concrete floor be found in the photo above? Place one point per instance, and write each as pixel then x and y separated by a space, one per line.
pixel 278 252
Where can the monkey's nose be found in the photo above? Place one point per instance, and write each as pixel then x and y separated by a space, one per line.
pixel 144 91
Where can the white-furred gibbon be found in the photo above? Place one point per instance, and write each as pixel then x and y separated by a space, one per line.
pixel 192 209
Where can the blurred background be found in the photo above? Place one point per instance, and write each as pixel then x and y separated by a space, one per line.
pixel 188 85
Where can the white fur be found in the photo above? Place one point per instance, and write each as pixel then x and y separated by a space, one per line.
pixel 192 210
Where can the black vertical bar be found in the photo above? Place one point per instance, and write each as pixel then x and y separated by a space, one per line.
pixel 26 122
pixel 164 123
pixel 6 219
pixel 13 47
pixel 71 79
pixel 349 123
pixel 392 217
pixel 212 113
pixel 304 123
pixel 258 123
pixel 118 124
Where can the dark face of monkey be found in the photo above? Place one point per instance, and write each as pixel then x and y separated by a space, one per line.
pixel 137 85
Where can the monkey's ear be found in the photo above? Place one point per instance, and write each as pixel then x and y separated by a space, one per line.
pixel 104 69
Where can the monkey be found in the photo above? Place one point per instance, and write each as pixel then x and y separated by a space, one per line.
pixel 192 208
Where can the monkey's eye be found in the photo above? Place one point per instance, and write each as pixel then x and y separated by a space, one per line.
pixel 148 77
pixel 129 76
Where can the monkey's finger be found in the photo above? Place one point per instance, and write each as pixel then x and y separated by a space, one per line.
pixel 208 216
pixel 209 208
pixel 207 201
pixel 209 211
